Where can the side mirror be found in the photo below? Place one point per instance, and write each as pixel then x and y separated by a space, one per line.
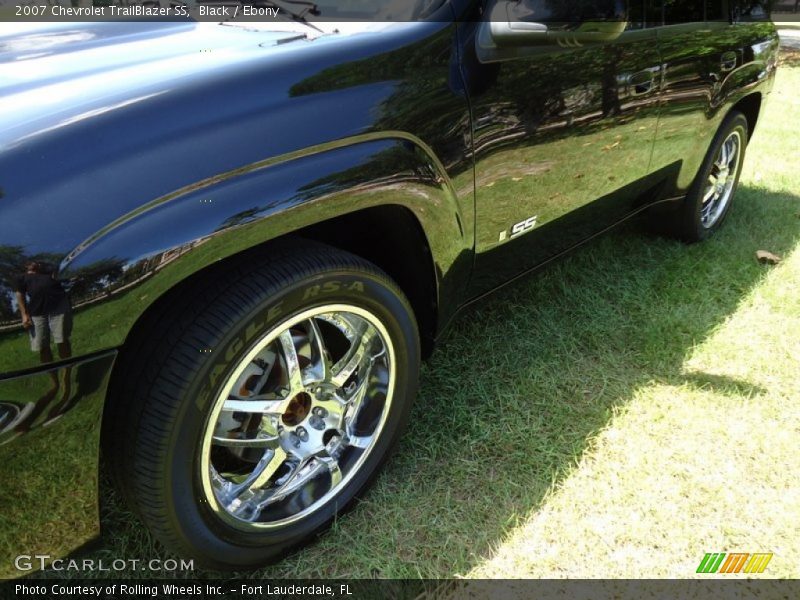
pixel 510 25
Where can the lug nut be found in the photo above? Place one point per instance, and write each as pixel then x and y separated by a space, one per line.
pixel 320 412
pixel 316 422
pixel 302 434
pixel 333 445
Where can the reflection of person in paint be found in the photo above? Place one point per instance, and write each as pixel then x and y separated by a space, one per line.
pixel 45 310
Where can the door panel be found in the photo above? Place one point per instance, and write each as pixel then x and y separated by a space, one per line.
pixel 692 76
pixel 697 57
pixel 562 143
pixel 704 62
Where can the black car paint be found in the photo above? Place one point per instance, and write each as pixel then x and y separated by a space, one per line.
pixel 134 189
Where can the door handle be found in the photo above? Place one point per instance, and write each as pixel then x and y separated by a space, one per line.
pixel 641 83
pixel 728 62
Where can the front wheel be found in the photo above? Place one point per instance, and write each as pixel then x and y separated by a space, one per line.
pixel 270 402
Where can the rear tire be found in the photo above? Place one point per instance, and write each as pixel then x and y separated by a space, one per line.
pixel 711 195
pixel 270 399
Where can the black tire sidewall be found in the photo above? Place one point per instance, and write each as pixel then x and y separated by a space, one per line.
pixel 207 536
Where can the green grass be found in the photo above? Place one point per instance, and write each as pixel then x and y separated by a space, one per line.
pixel 52 461
pixel 619 415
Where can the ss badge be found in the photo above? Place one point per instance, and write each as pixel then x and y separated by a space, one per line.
pixel 519 228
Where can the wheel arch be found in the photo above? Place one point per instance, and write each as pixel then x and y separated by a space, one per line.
pixel 392 238
pixel 386 199
pixel 750 107
pixel 403 244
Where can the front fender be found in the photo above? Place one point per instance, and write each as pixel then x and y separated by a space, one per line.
pixel 120 271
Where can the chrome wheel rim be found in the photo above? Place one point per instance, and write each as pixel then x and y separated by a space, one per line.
pixel 721 181
pixel 298 417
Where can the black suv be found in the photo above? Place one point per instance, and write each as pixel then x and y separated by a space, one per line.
pixel 225 248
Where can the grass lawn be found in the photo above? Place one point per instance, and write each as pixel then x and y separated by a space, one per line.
pixel 619 415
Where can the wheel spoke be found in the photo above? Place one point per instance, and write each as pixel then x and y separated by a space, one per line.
pixel 276 406
pixel 321 369
pixel 722 162
pixel 304 472
pixel 356 357
pixel 707 210
pixel 256 442
pixel 340 322
pixel 265 469
pixel 236 497
pixel 733 152
pixel 292 362
pixel 359 441
pixel 354 404
pixel 709 194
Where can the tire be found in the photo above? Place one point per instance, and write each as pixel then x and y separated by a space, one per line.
pixel 701 215
pixel 272 397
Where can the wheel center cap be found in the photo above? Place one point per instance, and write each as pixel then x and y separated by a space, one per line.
pixel 298 409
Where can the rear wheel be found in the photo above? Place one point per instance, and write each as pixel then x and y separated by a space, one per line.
pixel 269 403
pixel 710 198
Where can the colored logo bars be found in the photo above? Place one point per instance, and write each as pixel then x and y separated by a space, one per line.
pixel 734 563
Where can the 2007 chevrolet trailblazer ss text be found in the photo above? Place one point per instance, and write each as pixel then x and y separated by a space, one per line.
pixel 226 249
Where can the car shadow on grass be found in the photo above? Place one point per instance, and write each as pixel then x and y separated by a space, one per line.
pixel 524 381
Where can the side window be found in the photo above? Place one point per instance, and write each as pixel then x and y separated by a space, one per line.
pixel 693 11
